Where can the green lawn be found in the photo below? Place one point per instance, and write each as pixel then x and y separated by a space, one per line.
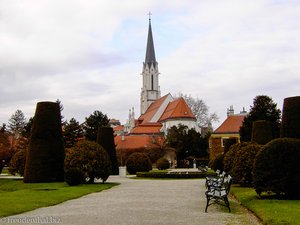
pixel 17 197
pixel 271 211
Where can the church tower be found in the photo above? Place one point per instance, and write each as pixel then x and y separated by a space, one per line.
pixel 150 89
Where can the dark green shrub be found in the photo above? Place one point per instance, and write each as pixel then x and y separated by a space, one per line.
pixel 74 176
pixel 290 124
pixel 231 154
pixel 105 138
pixel 261 132
pixel 138 162
pixel 243 164
pixel 45 156
pixel 91 158
pixel 276 168
pixel 228 143
pixel 217 163
pixel 162 164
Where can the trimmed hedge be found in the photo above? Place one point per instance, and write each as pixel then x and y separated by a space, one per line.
pixel 217 163
pixel 138 162
pixel 276 168
pixel 179 175
pixel 261 132
pixel 290 124
pixel 45 156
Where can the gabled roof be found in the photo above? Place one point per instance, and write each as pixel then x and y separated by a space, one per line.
pixel 134 142
pixel 150 128
pixel 232 124
pixel 152 109
pixel 119 128
pixel 177 109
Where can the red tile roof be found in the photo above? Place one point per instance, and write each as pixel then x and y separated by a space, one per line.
pixel 119 128
pixel 135 141
pixel 147 128
pixel 152 109
pixel 177 109
pixel 231 125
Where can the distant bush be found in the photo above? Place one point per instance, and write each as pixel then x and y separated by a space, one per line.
pixel 91 158
pixel 217 162
pixel 138 162
pixel 243 164
pixel 261 132
pixel 276 168
pixel 74 176
pixel 162 164
pixel 290 123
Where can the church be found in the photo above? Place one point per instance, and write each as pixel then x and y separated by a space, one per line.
pixel 158 113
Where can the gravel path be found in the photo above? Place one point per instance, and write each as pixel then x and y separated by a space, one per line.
pixel 138 202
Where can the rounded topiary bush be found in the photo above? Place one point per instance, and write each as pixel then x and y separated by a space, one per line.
pixel 45 155
pixel 74 176
pixel 243 164
pixel 162 164
pixel 229 157
pixel 91 158
pixel 217 163
pixel 276 168
pixel 290 123
pixel 261 132
pixel 138 162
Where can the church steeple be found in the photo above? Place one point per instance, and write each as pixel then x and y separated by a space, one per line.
pixel 150 53
pixel 150 89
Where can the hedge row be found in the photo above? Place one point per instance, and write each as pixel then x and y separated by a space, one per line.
pixel 184 175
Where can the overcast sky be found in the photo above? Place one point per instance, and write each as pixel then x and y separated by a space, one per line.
pixel 89 54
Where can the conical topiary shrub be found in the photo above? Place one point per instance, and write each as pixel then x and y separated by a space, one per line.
pixel 45 155
pixel 290 123
pixel 105 138
pixel 261 132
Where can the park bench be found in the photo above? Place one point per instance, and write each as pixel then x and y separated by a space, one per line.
pixel 218 188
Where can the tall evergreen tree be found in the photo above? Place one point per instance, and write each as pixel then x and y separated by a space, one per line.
pixel 92 123
pixel 263 109
pixel 72 133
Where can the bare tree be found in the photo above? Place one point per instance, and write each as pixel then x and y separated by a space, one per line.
pixel 200 110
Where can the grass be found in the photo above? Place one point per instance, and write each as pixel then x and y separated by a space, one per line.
pixel 270 211
pixel 17 197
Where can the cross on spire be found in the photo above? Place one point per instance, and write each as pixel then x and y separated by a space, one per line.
pixel 149 14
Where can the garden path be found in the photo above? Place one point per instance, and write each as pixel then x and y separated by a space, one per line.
pixel 142 202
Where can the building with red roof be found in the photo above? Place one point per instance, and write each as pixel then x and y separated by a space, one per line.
pixel 229 129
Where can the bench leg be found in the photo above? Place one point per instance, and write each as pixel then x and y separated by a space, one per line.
pixel 207 202
pixel 227 203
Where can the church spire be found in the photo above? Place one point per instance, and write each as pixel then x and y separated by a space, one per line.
pixel 150 53
pixel 150 88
